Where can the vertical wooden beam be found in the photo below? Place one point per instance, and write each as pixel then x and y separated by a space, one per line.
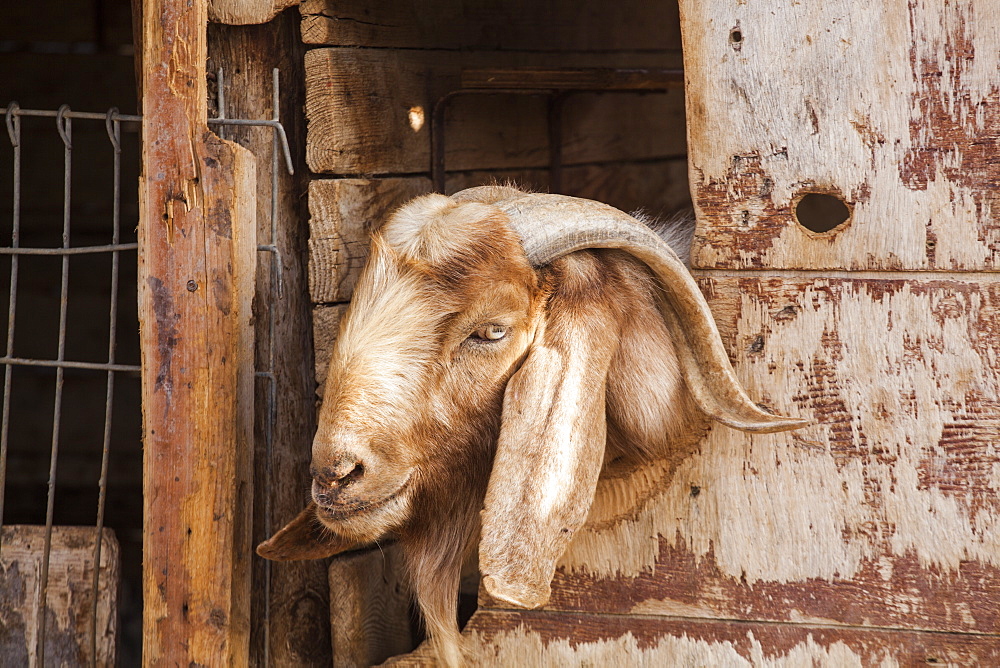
pixel 197 239
pixel 296 606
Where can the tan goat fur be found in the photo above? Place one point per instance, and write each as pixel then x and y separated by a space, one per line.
pixel 429 419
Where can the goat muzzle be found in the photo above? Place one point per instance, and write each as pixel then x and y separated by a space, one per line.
pixel 345 471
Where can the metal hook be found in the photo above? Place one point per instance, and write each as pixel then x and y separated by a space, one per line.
pixel 279 267
pixel 61 125
pixel 12 110
pixel 109 124
pixel 275 94
pixel 220 94
pixel 284 148
pixel 276 117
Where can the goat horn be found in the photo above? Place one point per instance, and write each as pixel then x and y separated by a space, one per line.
pixel 551 226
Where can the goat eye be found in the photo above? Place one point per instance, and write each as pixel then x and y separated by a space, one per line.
pixel 491 333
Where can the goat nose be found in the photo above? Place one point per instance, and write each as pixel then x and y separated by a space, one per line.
pixel 339 473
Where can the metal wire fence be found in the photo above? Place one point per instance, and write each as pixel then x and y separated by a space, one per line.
pixel 111 366
pixel 63 126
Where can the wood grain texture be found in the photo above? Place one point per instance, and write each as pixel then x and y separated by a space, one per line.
pixel 547 639
pixel 657 187
pixel 561 25
pixel 197 260
pixel 361 105
pixel 343 214
pixel 326 321
pixel 369 608
pixel 298 632
pixel 70 599
pixel 540 638
pixel 574 78
pixel 246 12
pixel 896 109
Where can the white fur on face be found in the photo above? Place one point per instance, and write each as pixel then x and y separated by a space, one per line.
pixel 386 343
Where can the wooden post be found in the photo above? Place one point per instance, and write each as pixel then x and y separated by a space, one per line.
pixel 369 616
pixel 297 616
pixel 197 240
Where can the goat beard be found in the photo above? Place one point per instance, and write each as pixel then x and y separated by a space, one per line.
pixel 441 537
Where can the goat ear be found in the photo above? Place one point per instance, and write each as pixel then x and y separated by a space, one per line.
pixel 550 449
pixel 305 538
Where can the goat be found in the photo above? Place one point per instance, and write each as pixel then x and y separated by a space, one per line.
pixel 499 348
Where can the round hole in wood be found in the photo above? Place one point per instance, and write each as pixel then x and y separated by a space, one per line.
pixel 736 36
pixel 821 212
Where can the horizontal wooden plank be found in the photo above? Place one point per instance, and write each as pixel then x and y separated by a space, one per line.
pixel 343 213
pixel 909 143
pixel 246 12
pixel 502 638
pixel 326 320
pixel 369 112
pixel 560 25
pixel 881 513
pixel 574 78
pixel 682 584
pixel 70 598
pixel 657 187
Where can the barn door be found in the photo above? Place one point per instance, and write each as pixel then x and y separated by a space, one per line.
pixel 843 168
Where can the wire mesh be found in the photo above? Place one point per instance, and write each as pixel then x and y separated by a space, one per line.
pixel 111 366
pixel 64 127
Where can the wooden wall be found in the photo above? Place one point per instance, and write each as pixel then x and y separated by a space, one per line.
pixel 374 71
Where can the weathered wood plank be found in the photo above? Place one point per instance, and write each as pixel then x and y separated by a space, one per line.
pixel 657 187
pixel 540 638
pixel 326 321
pixel 369 608
pixel 574 78
pixel 369 113
pixel 246 12
pixel 907 135
pixel 631 25
pixel 343 213
pixel 298 632
pixel 883 513
pixel 197 259
pixel 70 599
pixel 519 638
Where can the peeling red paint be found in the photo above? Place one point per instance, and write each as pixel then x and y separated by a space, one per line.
pixel 914 597
pixel 752 641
